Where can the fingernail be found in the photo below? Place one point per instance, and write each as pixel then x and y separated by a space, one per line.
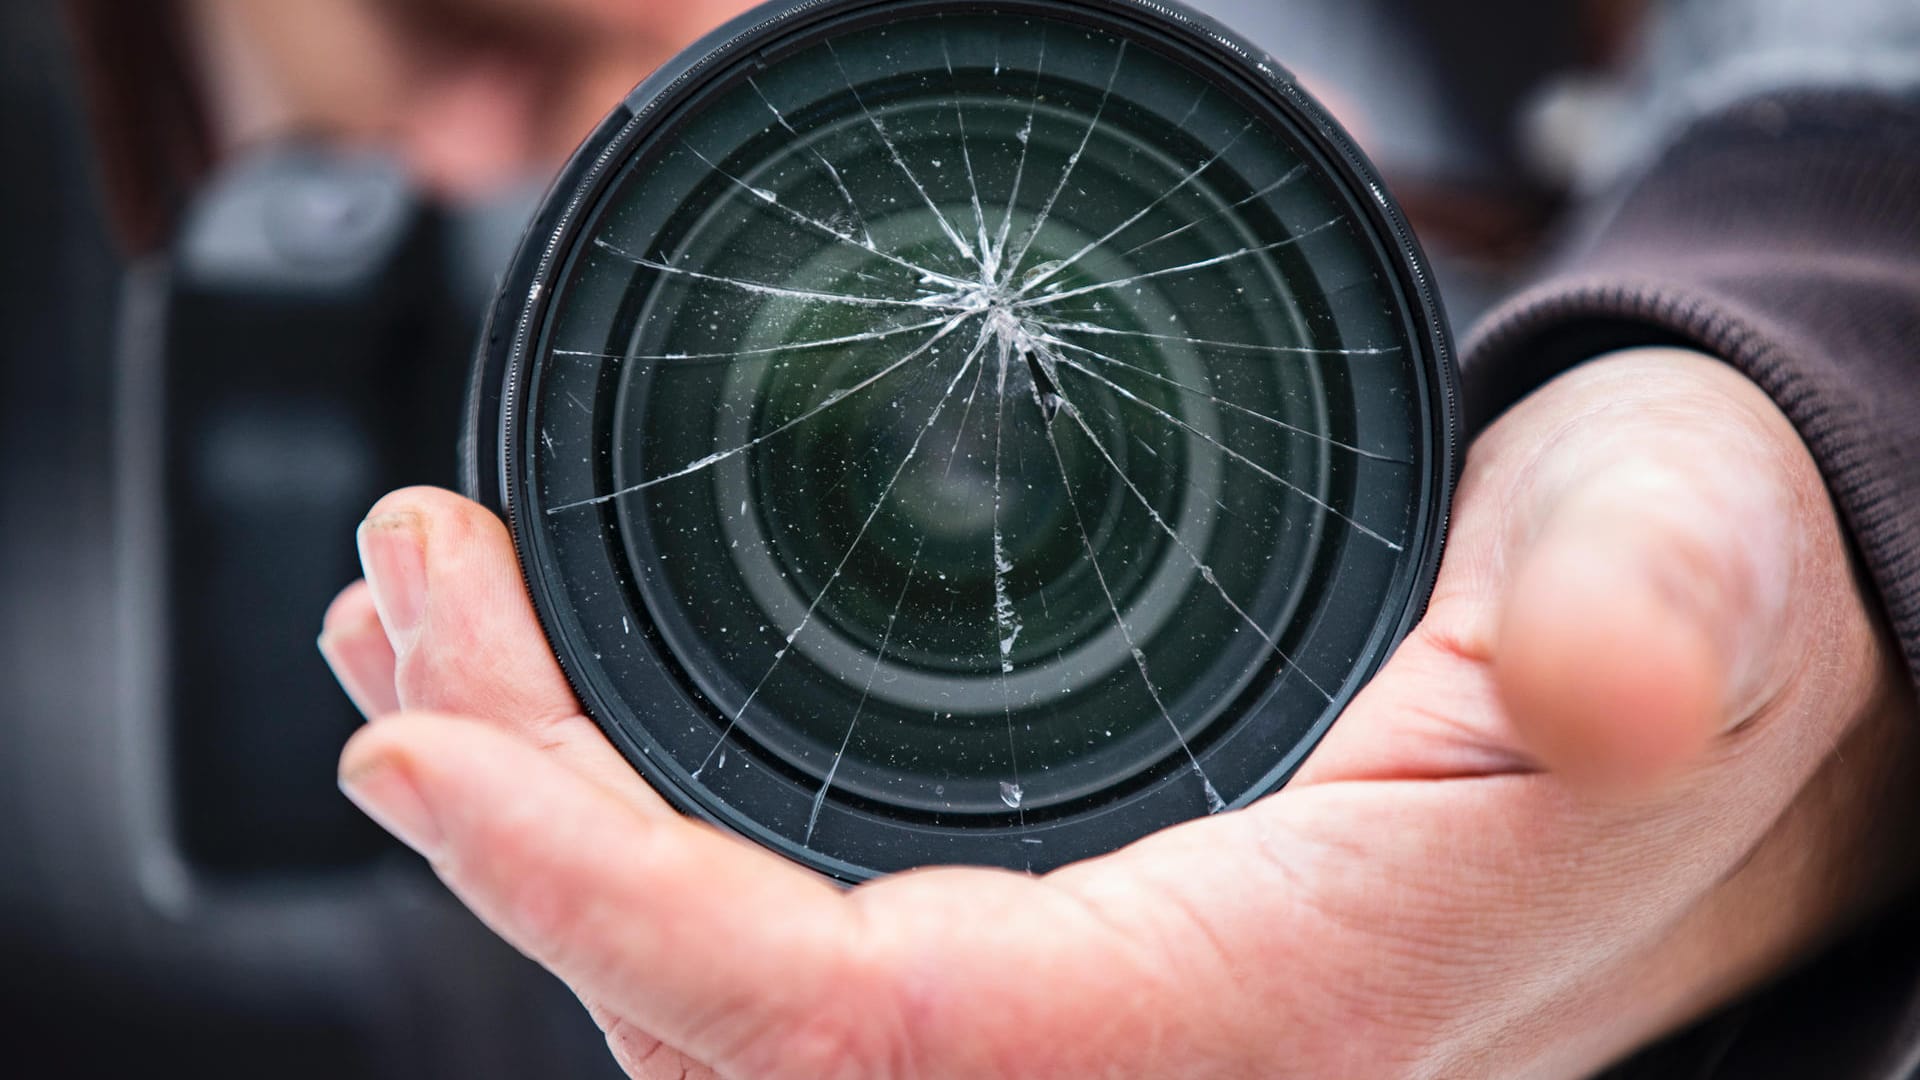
pixel 384 793
pixel 393 555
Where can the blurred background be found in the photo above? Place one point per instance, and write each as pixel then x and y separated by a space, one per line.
pixel 245 248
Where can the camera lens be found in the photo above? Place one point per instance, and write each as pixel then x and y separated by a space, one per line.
pixel 967 431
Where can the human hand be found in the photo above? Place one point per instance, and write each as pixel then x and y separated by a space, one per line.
pixel 1645 748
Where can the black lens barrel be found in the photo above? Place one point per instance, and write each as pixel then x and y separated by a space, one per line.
pixel 968 432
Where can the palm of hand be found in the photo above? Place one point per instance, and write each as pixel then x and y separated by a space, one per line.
pixel 1573 811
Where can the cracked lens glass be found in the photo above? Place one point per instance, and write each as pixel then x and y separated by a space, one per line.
pixel 992 424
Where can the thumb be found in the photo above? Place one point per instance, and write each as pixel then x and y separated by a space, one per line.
pixel 1647 612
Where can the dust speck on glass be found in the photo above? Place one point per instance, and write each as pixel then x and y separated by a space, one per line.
pixel 974 436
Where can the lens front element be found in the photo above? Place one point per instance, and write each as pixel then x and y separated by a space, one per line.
pixel 951 436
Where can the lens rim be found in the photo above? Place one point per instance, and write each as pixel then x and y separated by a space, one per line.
pixel 500 381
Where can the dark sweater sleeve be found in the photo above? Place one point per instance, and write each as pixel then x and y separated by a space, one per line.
pixel 1782 235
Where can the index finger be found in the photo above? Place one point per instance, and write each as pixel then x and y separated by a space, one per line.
pixel 716 948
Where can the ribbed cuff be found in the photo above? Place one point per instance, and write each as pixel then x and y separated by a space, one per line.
pixel 1784 237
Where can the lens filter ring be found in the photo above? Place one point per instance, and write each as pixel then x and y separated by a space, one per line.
pixel 944 431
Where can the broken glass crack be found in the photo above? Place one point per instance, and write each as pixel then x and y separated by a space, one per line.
pixel 1215 803
pixel 879 504
pixel 1142 333
pixel 886 639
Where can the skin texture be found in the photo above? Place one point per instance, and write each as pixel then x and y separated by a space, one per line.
pixel 1646 748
